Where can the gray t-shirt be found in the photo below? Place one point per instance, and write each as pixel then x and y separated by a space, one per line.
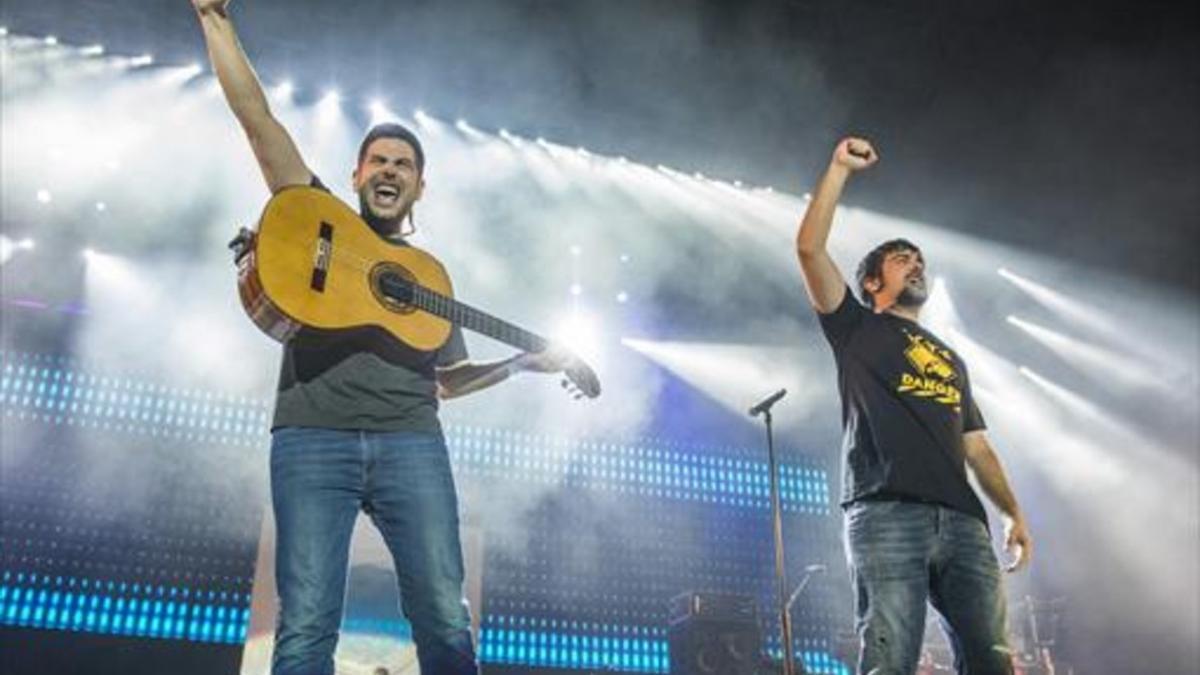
pixel 361 379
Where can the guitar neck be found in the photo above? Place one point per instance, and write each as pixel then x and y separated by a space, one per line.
pixel 476 320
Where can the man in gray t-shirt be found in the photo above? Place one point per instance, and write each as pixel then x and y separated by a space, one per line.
pixel 356 416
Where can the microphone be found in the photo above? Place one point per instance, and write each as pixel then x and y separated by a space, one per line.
pixel 765 404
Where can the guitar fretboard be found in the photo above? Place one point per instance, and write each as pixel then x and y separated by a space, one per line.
pixel 464 315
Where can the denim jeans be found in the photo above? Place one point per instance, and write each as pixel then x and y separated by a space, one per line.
pixel 903 554
pixel 320 479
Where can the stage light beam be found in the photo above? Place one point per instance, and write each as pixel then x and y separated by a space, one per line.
pixel 468 130
pixel 380 113
pixel 1090 359
pixel 329 109
pixel 1069 308
pixel 9 248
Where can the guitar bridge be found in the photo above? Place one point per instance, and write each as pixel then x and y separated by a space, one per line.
pixel 321 257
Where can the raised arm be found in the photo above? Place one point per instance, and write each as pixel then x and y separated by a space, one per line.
pixel 274 149
pixel 825 284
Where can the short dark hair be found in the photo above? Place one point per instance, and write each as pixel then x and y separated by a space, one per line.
pixel 871 266
pixel 397 131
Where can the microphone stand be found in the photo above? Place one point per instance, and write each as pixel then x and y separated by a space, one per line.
pixel 785 620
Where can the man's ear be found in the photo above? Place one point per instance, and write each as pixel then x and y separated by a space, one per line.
pixel 420 188
pixel 354 179
pixel 872 284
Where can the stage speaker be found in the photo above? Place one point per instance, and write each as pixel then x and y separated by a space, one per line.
pixel 714 634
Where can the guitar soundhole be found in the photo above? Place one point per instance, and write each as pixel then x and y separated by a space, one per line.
pixel 392 286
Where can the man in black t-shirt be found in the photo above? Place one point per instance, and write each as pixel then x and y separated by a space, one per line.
pixel 915 530
pixel 355 424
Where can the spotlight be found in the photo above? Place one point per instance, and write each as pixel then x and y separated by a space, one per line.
pixel 624 257
pixel 331 97
pixel 622 297
pixel 511 138
pixel 3 31
pixel 426 121
pixel 576 250
pixel 578 333
pixel 583 152
pixel 380 113
pixel 44 196
pixel 141 61
pixel 50 40
pixel 737 184
pixel 576 290
pixel 93 50
pixel 101 207
pixel 8 247
pixel 88 254
pixel 283 90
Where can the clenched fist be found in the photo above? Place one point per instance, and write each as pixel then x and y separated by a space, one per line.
pixel 206 6
pixel 854 154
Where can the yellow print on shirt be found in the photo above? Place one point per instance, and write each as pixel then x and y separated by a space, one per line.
pixel 935 373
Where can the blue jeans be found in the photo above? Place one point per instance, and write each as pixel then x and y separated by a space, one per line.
pixel 320 478
pixel 903 554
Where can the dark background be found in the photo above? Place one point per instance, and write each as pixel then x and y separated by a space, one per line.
pixel 1066 127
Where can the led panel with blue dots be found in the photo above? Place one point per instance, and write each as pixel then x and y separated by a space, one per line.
pixel 584 593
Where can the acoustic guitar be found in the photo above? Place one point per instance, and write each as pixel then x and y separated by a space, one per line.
pixel 314 263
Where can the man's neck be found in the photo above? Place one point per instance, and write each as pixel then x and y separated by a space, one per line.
pixel 902 311
pixel 390 229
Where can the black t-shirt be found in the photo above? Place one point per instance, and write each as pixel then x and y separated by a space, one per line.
pixel 906 403
pixel 361 379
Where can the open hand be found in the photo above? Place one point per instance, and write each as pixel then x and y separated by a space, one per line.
pixel 855 154
pixel 1017 542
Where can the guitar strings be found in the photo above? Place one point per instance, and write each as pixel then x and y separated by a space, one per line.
pixel 349 257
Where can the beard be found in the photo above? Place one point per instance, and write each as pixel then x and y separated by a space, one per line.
pixel 913 296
